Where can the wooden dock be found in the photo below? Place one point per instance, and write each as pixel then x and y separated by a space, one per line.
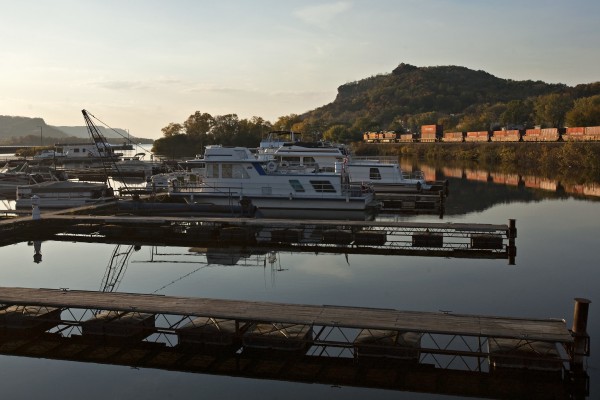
pixel 328 344
pixel 351 317
pixel 495 241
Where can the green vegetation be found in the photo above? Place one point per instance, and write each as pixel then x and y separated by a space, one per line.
pixel 574 162
pixel 458 98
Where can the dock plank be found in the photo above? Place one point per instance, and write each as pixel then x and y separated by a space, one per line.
pixel 339 316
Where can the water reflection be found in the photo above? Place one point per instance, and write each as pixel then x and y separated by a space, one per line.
pixel 372 373
pixel 557 261
pixel 529 181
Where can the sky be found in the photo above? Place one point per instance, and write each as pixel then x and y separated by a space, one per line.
pixel 142 64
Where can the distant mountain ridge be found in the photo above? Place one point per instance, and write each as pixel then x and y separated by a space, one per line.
pixel 22 130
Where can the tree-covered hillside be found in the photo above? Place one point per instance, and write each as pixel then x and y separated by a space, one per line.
pixel 21 130
pixel 456 97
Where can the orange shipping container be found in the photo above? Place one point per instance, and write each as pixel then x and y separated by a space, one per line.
pixel 592 130
pixel 575 131
pixel 435 129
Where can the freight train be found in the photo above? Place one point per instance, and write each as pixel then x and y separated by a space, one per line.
pixel 435 133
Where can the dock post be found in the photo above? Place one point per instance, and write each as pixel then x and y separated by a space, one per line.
pixel 581 345
pixel 512 235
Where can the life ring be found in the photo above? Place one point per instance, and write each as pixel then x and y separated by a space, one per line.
pixel 271 166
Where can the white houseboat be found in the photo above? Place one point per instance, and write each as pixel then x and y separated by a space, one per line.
pixel 384 176
pixel 234 174
pixel 87 150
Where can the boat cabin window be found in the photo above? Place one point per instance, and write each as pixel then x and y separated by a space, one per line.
pixel 296 185
pixel 323 186
pixel 309 161
pixel 212 170
pixel 233 171
pixel 226 171
pixel 374 174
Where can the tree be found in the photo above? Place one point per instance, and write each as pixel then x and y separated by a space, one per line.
pixel 337 133
pixel 285 123
pixel 198 124
pixel 225 129
pixel 585 112
pixel 517 114
pixel 172 129
pixel 550 110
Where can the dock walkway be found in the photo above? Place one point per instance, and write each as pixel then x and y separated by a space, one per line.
pixel 461 240
pixel 351 317
pixel 475 355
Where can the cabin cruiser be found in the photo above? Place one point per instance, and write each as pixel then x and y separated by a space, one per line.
pixel 235 175
pixel 322 156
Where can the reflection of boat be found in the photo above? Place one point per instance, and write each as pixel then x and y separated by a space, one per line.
pixel 234 174
pixel 64 194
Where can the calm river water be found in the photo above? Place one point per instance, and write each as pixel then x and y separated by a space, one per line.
pixel 557 260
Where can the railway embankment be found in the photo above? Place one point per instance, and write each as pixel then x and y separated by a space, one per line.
pixel 571 160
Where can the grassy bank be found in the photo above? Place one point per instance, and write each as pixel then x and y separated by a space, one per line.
pixel 571 161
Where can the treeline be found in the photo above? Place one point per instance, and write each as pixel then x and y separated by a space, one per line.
pixel 458 98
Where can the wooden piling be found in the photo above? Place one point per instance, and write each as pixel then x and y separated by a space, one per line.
pixel 581 345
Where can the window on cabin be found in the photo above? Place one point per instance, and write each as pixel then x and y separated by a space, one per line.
pixel 309 161
pixel 290 160
pixel 226 171
pixel 296 185
pixel 323 186
pixel 374 174
pixel 239 172
pixel 212 170
pixel 76 150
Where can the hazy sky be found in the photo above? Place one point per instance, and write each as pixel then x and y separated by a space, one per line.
pixel 141 64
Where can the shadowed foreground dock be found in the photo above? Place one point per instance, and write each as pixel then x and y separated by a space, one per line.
pixel 454 354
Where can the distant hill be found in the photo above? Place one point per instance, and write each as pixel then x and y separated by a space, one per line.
pixel 419 93
pixel 30 131
pixel 18 127
pixel 82 132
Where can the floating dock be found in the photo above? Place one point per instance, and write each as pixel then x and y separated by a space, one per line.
pixel 460 240
pixel 354 346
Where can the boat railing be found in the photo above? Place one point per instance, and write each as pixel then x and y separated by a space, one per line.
pixel 378 159
pixel 414 175
pixel 324 190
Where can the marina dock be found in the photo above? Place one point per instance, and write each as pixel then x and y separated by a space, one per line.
pixel 494 241
pixel 339 345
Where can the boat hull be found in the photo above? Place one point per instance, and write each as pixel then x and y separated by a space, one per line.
pixel 281 202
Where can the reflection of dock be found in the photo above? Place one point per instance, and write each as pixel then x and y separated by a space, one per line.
pixel 484 356
pixel 351 237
